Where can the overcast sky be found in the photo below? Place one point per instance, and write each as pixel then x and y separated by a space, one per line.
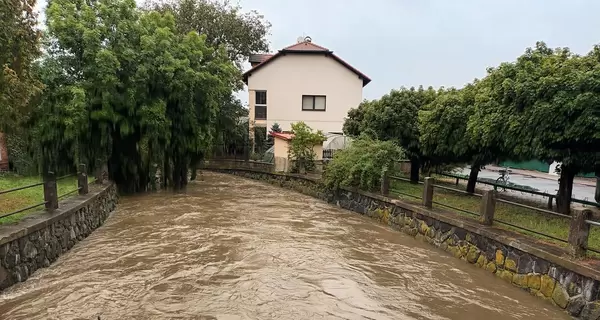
pixel 430 42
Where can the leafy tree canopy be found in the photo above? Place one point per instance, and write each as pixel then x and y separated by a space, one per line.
pixel 138 91
pixel 543 106
pixel 394 117
pixel 241 34
pixel 362 165
pixel 19 47
pixel 301 147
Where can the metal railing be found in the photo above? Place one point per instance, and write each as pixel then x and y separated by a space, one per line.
pixel 579 223
pixel 404 193
pixel 50 191
pixel 550 196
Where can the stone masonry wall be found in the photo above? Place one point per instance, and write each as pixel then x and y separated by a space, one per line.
pixel 576 292
pixel 38 241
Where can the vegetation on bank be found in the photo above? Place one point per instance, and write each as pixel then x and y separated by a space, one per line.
pixel 13 201
pixel 363 164
pixel 525 218
pixel 544 105
pixel 301 147
pixel 144 89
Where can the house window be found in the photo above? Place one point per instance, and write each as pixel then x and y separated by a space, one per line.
pixel 261 97
pixel 260 107
pixel 313 103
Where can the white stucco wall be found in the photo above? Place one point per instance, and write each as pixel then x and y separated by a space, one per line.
pixel 289 77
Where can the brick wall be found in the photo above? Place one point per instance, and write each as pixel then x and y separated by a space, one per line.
pixel 3 153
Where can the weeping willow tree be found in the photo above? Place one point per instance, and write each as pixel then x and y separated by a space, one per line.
pixel 124 86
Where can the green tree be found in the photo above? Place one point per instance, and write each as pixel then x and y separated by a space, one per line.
pixel 394 117
pixel 362 165
pixel 354 123
pixel 231 128
pixel 274 128
pixel 445 135
pixel 242 34
pixel 150 93
pixel 19 47
pixel 301 148
pixel 545 107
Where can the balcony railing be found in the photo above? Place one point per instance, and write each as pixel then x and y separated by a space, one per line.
pixel 260 112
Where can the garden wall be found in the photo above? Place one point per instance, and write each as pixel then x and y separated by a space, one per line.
pixel 569 284
pixel 38 240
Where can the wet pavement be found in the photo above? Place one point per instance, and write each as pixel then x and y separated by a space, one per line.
pixel 549 185
pixel 230 248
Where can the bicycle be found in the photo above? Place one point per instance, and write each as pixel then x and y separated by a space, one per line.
pixel 503 179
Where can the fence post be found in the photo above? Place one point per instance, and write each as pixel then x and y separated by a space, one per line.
pixel 50 191
pixel 385 184
pixel 550 199
pixel 579 232
pixel 488 207
pixel 428 192
pixel 100 172
pixel 82 179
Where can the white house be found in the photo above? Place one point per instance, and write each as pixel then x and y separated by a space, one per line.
pixel 302 82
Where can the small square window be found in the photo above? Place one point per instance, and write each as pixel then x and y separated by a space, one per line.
pixel 314 103
pixel 261 97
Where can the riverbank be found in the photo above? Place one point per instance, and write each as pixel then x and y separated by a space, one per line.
pixel 39 239
pixel 543 270
pixel 12 201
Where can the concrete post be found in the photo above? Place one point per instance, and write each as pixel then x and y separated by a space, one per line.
pixel 488 207
pixel 579 232
pixel 82 179
pixel 50 192
pixel 428 192
pixel 385 184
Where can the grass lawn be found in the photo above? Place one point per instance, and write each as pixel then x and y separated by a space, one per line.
pixel 526 218
pixel 10 202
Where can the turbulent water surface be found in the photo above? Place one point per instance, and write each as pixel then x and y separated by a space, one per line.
pixel 230 248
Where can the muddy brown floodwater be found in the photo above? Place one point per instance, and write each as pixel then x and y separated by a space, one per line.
pixel 231 248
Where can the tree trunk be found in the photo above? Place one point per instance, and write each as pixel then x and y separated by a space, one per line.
pixel 194 168
pixel 565 190
pixel 180 172
pixel 473 178
pixel 194 165
pixel 166 173
pixel 414 170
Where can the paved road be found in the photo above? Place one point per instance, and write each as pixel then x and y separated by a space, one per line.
pixel 548 185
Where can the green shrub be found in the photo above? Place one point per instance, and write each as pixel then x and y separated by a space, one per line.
pixel 301 148
pixel 362 164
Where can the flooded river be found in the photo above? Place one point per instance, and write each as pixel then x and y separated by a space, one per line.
pixel 231 248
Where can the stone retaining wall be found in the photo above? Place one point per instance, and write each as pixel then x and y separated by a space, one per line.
pixel 41 238
pixel 572 286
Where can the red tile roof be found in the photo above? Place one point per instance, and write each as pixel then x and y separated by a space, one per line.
pixel 258 58
pixel 283 136
pixel 306 47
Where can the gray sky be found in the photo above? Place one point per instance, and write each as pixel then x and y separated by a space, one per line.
pixel 430 42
